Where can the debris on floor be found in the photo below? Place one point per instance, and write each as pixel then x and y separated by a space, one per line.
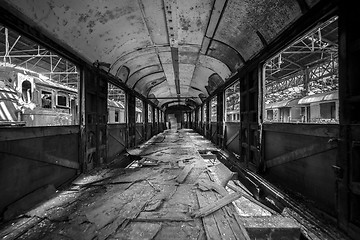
pixel 170 191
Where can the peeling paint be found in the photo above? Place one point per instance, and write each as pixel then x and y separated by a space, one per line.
pixel 135 34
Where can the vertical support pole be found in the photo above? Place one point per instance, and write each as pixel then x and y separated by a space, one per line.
pixel 82 122
pixel 207 123
pixel 131 119
pixel 146 120
pixel 220 119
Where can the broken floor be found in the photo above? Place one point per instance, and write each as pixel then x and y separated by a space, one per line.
pixel 170 192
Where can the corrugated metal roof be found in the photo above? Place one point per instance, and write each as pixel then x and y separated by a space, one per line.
pixel 284 103
pixel 328 96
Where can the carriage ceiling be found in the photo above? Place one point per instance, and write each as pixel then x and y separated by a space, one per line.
pixel 171 51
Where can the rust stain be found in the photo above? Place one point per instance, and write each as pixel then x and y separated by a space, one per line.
pixel 185 23
pixel 64 22
pixel 198 22
pixel 83 17
pixel 91 24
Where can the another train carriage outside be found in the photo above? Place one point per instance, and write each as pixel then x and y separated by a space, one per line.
pixel 316 108
pixel 116 111
pixel 29 100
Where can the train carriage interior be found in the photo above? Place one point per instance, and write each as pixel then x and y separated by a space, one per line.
pixel 179 119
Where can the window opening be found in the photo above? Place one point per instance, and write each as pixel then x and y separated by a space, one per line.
pixel 213 109
pixel 232 103
pixel 32 76
pixel 26 91
pixel 116 116
pixel 116 104
pixel 301 82
pixel 62 100
pixel 150 113
pixel 46 99
pixel 139 106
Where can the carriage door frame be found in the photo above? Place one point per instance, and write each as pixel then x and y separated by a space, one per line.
pixel 249 119
pixel 348 163
pixel 95 115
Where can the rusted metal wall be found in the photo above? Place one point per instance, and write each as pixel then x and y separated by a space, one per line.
pixel 33 157
pixel 139 133
pixel 213 132
pixel 249 115
pixel 348 164
pixel 116 140
pixel 149 130
pixel 232 138
pixel 301 158
pixel 131 120
pixel 95 118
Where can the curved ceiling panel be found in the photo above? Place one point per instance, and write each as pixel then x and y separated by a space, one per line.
pixel 193 17
pixel 161 90
pixel 141 61
pixel 186 73
pixel 169 73
pixel 195 93
pixel 90 26
pixel 123 73
pixel 283 13
pixel 214 64
pixel 181 102
pixel 204 72
pixel 244 21
pixel 200 78
pixel 122 60
pixel 214 82
pixel 161 87
pixel 168 48
pixel 226 54
pixel 155 20
pixel 141 83
pixel 150 85
pixel 188 57
pixel 146 70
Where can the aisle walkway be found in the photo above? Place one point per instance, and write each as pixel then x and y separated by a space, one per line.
pixel 169 192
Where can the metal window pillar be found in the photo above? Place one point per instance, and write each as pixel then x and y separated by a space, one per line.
pixel 220 118
pixel 131 110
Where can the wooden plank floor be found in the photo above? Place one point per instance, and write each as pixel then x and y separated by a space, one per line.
pixel 166 194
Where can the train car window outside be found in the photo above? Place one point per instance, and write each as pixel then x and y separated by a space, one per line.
pixel 33 75
pixel 116 116
pixel 46 99
pixel 213 109
pixel 139 107
pixel 232 103
pixel 62 100
pixel 149 113
pixel 26 91
pixel 116 104
pixel 301 82
pixel 156 115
